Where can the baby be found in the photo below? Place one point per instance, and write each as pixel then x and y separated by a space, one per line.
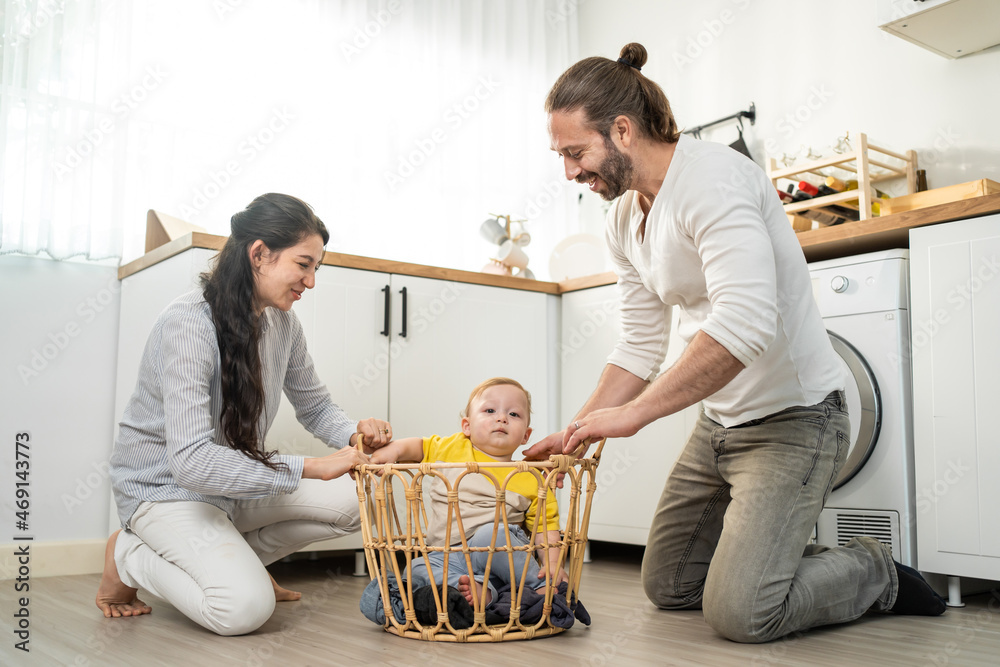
pixel 495 423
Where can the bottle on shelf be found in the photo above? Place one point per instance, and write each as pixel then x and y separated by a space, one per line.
pixel 821 190
pixel 921 180
pixel 838 185
pixel 820 215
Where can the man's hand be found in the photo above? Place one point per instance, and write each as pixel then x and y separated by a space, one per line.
pixel 620 422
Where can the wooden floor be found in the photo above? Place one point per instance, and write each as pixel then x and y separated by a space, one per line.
pixel 326 628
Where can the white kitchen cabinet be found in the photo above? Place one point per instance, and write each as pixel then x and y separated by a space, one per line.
pixel 955 311
pixel 456 336
pixel 949 28
pixel 633 470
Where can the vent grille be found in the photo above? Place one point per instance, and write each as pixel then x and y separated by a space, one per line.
pixel 850 526
pixel 839 526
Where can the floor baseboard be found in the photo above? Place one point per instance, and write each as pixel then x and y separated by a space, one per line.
pixel 53 559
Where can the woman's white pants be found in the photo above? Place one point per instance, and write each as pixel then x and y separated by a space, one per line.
pixel 212 569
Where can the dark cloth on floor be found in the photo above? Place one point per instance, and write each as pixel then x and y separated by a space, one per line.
pixel 460 613
pixel 371 602
pixel 497 611
pixel 533 603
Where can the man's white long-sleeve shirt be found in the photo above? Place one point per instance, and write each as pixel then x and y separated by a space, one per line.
pixel 718 244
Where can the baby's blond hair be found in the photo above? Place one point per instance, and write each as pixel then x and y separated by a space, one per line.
pixel 494 382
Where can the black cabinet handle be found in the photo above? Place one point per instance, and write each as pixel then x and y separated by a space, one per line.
pixel 402 333
pixel 385 325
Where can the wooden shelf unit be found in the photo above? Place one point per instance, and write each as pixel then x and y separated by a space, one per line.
pixel 859 162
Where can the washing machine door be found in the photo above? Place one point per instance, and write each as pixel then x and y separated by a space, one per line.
pixel 864 405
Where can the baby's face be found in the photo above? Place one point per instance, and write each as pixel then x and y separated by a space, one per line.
pixel 497 423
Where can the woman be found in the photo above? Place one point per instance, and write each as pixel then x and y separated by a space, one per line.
pixel 204 507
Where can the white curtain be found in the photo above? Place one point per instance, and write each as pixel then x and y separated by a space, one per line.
pixel 405 123
pixel 62 130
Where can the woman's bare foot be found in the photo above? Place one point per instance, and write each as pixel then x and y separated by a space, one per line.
pixel 465 585
pixel 114 598
pixel 283 594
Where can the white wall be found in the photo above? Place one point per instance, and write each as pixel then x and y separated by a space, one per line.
pixel 814 70
pixel 59 341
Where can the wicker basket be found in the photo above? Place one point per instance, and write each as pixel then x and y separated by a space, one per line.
pixel 394 522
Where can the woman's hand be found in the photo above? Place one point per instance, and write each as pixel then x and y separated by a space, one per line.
pixel 375 433
pixel 334 465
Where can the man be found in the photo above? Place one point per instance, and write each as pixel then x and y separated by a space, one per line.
pixel 699 226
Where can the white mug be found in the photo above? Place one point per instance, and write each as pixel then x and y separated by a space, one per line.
pixel 512 255
pixel 493 231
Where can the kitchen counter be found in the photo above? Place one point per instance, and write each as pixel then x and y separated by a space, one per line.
pixel 891 231
pixel 853 238
pixel 214 242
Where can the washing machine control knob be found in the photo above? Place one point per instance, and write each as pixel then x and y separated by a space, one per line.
pixel 839 284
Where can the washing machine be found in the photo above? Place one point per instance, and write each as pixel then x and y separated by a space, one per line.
pixel 864 302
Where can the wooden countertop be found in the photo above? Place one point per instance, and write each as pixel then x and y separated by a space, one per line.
pixel 213 242
pixel 853 238
pixel 891 231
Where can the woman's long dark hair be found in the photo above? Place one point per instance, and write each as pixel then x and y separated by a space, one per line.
pixel 280 221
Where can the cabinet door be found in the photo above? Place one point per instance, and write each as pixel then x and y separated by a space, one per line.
pixel 633 470
pixel 955 313
pixel 342 319
pixel 458 335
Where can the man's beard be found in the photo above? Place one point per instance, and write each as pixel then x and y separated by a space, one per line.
pixel 616 170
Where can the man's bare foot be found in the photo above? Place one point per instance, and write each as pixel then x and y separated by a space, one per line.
pixel 465 585
pixel 114 598
pixel 283 594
